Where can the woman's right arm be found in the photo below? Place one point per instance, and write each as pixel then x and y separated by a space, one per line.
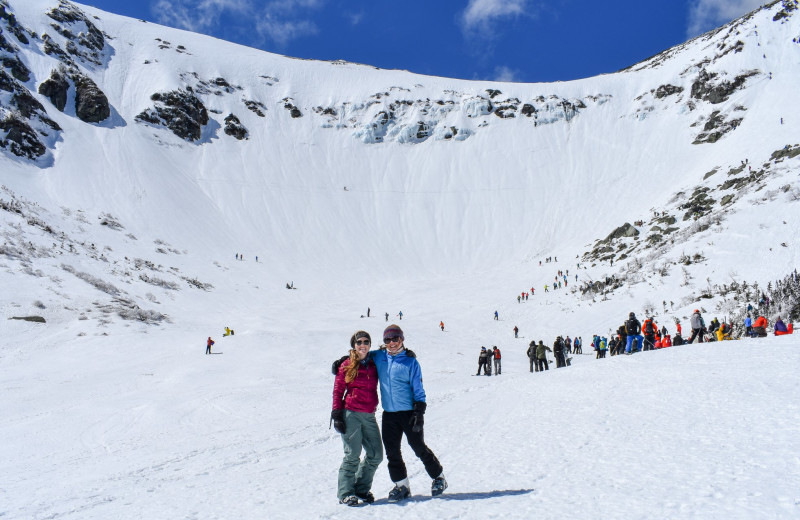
pixel 339 387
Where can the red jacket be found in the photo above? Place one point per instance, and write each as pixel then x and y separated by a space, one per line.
pixel 497 353
pixel 360 394
pixel 761 321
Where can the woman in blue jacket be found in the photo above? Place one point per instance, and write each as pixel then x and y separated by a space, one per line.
pixel 403 400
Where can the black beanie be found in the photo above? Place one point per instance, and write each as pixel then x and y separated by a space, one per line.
pixel 358 335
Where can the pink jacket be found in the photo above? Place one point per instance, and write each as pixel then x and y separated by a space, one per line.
pixel 361 394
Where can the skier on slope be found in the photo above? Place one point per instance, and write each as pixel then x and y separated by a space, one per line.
pixel 208 345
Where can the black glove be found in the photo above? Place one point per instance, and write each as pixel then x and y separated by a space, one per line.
pixel 337 417
pixel 418 417
pixel 335 366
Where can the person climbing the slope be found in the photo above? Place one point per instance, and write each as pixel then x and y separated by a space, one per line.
pixel 355 399
pixel 698 327
pixel 633 330
pixel 208 345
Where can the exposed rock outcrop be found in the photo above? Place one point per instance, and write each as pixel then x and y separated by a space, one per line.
pixel 180 111
pixel 91 104
pixel 56 88
pixel 234 127
pixel 21 139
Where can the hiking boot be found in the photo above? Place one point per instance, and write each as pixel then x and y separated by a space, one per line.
pixel 367 497
pixel 438 486
pixel 399 493
pixel 350 500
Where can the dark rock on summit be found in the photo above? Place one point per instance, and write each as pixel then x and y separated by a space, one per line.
pixel 91 104
pixel 180 111
pixel 55 89
pixel 703 87
pixel 667 90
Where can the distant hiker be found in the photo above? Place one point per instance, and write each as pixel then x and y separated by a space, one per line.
pixel 497 364
pixel 558 352
pixel 519 299
pixel 633 331
pixel 678 326
pixel 208 345
pixel 237 256
pixel 355 399
pixel 748 325
pixel 760 328
pixel 256 258
pixel 714 325
pixel 531 352
pixel 516 331
pixel 541 356
pixel 441 325
pixel 781 328
pixel 483 359
pixel 578 346
pixel 698 327
pixel 650 329
pixel 545 289
pixel 400 314
pixel 387 316
pixel 568 344
pixel 496 316
pixel 368 309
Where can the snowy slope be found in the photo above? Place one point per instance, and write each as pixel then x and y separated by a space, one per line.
pixel 122 235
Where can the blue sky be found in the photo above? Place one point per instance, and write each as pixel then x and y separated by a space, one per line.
pixel 508 40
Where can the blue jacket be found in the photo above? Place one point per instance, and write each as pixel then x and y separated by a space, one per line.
pixel 400 378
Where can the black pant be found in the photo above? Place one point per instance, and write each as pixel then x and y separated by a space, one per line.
pixel 696 333
pixel 649 342
pixel 543 365
pixel 394 425
pixel 208 349
pixel 560 362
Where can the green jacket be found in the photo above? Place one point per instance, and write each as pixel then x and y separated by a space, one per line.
pixel 541 351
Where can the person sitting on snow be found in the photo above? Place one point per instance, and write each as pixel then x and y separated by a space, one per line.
pixel 759 327
pixel 781 328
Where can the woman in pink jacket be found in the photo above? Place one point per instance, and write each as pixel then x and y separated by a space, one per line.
pixel 355 398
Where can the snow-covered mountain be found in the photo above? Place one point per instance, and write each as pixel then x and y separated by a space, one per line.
pixel 138 162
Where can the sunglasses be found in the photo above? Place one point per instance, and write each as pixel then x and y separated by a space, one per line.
pixel 363 342
pixel 392 339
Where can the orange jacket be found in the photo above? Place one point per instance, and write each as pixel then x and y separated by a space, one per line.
pixel 761 321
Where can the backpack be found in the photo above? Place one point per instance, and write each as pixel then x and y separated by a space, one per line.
pixel 649 327
pixel 631 328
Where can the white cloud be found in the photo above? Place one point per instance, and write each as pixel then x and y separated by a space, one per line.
pixel 283 20
pixel 705 15
pixel 279 20
pixel 506 74
pixel 480 15
pixel 195 16
pixel 355 18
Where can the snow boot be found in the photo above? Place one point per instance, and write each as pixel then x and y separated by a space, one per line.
pixel 350 500
pixel 367 497
pixel 438 486
pixel 400 492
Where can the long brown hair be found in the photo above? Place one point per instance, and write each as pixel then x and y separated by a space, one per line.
pixel 352 369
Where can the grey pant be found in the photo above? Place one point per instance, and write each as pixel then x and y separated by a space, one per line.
pixel 355 475
pixel 497 366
